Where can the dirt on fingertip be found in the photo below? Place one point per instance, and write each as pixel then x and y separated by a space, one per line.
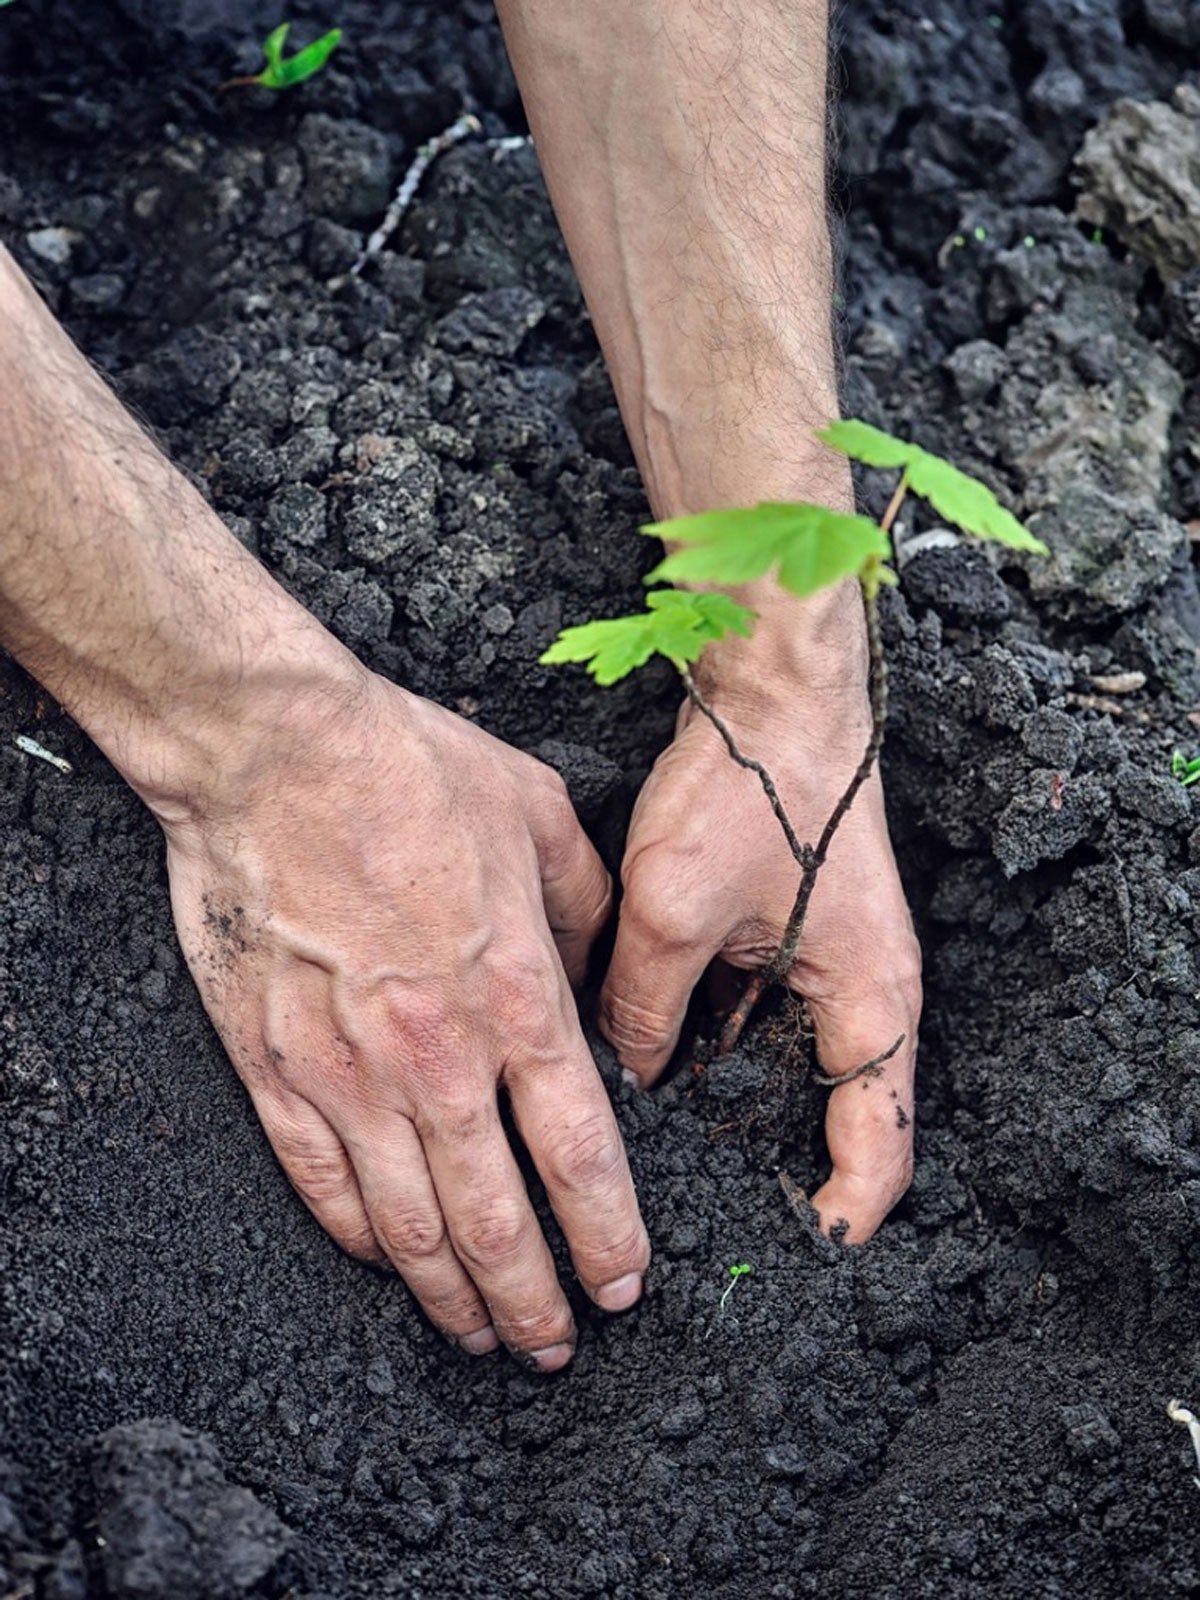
pixel 200 1398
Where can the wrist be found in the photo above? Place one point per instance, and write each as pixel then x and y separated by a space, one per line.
pixel 198 726
pixel 803 655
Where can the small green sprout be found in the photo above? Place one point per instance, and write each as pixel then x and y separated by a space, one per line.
pixel 735 1272
pixel 1029 241
pixel 1185 768
pixel 676 624
pixel 979 232
pixel 281 74
pixel 807 548
pixel 1097 235
pixel 960 240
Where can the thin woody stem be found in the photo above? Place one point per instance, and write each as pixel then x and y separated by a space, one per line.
pixel 812 857
pixel 801 852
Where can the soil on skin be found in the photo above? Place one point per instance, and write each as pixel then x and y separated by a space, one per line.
pixel 201 1397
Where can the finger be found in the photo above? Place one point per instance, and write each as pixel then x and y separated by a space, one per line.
pixel 407 1220
pixel 320 1170
pixel 565 1118
pixel 869 1120
pixel 655 966
pixel 576 887
pixel 494 1230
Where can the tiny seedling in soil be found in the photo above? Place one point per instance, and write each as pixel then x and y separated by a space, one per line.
pixel 808 548
pixel 735 1272
pixel 1185 768
pixel 285 74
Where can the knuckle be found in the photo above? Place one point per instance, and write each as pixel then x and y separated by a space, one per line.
pixel 626 1252
pixel 539 1322
pixel 361 1242
pixel 493 1236
pixel 422 1020
pixel 321 1175
pixel 660 908
pixel 586 1156
pixel 631 1025
pixel 415 1234
pixel 523 991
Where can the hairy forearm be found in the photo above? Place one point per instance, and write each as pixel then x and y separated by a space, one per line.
pixel 683 143
pixel 120 589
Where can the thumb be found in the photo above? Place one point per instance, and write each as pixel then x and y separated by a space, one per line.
pixel 656 963
pixel 869 1120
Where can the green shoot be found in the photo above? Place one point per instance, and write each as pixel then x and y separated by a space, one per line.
pixel 1185 768
pixel 735 1273
pixel 676 624
pixel 963 500
pixel 284 74
pixel 809 547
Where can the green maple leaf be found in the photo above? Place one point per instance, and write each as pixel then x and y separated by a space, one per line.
pixel 675 624
pixel 810 546
pixel 281 74
pixel 953 494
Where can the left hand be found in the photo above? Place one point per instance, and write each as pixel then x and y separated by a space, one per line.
pixel 707 874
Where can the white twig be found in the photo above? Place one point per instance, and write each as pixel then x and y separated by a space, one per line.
pixel 1179 1413
pixel 32 748
pixel 462 128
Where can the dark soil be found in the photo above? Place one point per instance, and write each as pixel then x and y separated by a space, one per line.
pixel 201 1397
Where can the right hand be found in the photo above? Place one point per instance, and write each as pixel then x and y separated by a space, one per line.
pixel 384 909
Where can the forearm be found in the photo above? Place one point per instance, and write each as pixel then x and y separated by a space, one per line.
pixel 120 589
pixel 683 142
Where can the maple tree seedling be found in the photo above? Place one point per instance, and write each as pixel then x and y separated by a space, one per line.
pixel 806 548
pixel 281 73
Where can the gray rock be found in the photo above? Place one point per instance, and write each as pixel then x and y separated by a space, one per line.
pixel 348 166
pixel 53 245
pixel 170 1523
pixel 492 323
pixel 976 369
pixel 332 249
pixel 296 516
pixel 1175 20
pixel 958 580
pixel 683 1421
pixel 98 291
pixel 1046 818
pixel 1141 177
pixel 592 779
pixel 1053 739
pixel 391 513
pixel 1105 557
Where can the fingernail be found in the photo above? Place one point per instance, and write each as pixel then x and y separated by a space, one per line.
pixel 621 1293
pixel 631 1078
pixel 552 1358
pixel 480 1343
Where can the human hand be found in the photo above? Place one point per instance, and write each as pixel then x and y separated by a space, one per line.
pixel 382 911
pixel 707 874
